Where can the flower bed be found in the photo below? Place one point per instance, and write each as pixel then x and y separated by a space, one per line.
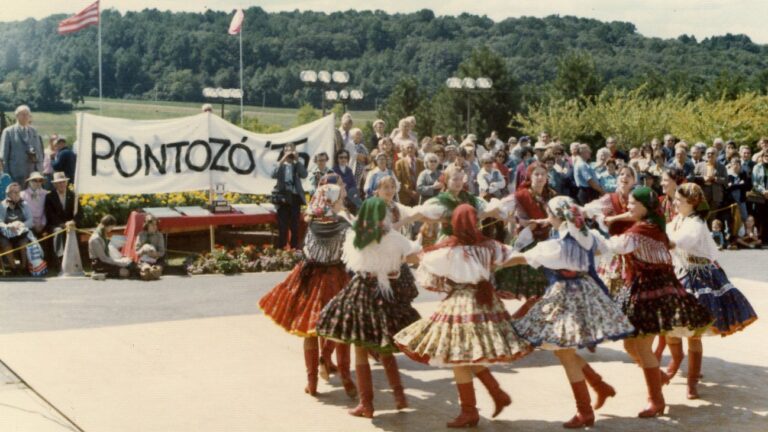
pixel 94 206
pixel 244 259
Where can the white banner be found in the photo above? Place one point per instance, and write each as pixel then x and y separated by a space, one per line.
pixel 120 156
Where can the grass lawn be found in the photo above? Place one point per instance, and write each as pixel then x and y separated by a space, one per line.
pixel 63 122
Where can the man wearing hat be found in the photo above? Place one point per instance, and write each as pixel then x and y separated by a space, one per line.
pixel 59 209
pixel 34 195
pixel 538 150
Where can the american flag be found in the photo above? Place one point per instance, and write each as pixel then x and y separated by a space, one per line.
pixel 86 17
pixel 237 22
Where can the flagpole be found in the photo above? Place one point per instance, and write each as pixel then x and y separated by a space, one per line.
pixel 100 101
pixel 242 91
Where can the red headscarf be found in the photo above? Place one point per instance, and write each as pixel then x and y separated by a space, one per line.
pixel 466 233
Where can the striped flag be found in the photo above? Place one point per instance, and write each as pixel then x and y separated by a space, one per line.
pixel 237 22
pixel 86 17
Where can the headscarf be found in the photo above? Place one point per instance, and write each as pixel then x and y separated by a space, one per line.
pixel 466 233
pixel 323 200
pixel 565 209
pixel 370 224
pixel 695 196
pixel 650 200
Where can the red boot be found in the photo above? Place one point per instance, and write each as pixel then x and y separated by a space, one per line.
pixel 694 369
pixel 342 360
pixel 469 415
pixel 326 365
pixel 501 399
pixel 365 390
pixel 601 388
pixel 660 347
pixel 655 396
pixel 310 361
pixel 393 376
pixel 676 352
pixel 522 310
pixel 584 415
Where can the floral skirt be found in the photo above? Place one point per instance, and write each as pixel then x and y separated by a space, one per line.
pixel 360 315
pixel 729 307
pixel 656 303
pixel 295 303
pixel 463 332
pixel 574 313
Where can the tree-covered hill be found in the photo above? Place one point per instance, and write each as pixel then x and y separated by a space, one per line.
pixel 151 54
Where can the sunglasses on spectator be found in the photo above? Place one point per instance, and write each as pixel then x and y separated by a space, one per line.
pixel 343 157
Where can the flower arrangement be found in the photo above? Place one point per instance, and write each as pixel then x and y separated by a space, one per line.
pixel 245 259
pixel 94 206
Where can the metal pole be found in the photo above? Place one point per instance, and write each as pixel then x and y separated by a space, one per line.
pixel 242 90
pixel 100 95
pixel 322 99
pixel 468 97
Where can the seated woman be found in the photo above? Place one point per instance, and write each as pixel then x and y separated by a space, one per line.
pixel 98 251
pixel 150 250
pixel 748 236
pixel 15 227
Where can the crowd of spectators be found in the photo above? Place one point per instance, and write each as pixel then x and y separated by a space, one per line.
pixel 734 180
pixel 35 197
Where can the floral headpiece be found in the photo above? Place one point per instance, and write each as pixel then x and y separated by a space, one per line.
pixel 566 209
pixel 323 200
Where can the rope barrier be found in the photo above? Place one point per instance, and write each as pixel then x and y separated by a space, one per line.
pixel 32 242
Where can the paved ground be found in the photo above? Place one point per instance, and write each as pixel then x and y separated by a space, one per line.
pixel 192 354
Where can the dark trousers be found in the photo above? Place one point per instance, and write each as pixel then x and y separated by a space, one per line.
pixel 587 194
pixel 761 220
pixel 288 219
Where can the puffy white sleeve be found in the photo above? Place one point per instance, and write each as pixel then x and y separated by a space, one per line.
pixel 405 247
pixel 598 207
pixel 431 209
pixel 506 206
pixel 688 234
pixel 405 211
pixel 546 253
pixel 621 245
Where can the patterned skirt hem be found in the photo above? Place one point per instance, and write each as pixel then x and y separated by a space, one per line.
pixel 549 345
pixel 733 328
pixel 428 360
pixel 294 332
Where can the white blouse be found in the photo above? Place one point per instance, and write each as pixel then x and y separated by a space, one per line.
pixel 549 254
pixel 642 247
pixel 432 209
pixel 692 238
pixel 462 264
pixel 380 258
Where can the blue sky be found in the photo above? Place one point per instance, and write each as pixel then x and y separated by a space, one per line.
pixel 657 18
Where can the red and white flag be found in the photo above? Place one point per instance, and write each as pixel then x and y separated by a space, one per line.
pixel 237 22
pixel 86 17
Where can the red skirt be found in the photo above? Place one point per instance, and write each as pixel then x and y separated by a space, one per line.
pixel 295 303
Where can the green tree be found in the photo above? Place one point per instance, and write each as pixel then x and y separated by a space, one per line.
pixel 577 77
pixel 490 109
pixel 404 100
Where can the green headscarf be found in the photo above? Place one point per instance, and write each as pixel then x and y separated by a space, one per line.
pixel 650 200
pixel 369 225
pixel 450 202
